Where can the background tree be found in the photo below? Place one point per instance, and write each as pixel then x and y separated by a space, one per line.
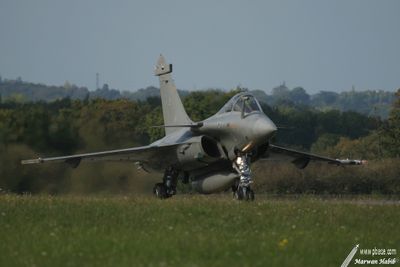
pixel 299 96
pixel 391 130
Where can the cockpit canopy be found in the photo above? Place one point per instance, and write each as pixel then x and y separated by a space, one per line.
pixel 246 102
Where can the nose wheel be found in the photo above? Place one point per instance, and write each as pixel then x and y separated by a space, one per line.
pixel 244 193
pixel 160 191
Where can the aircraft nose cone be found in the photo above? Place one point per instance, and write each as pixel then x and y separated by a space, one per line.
pixel 264 128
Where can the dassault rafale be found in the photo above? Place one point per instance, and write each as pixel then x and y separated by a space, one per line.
pixel 214 154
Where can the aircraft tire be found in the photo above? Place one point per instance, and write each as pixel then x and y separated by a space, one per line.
pixel 160 191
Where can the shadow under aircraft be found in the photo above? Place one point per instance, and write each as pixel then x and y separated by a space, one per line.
pixel 213 154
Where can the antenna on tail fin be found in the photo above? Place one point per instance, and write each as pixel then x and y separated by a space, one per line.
pixel 173 111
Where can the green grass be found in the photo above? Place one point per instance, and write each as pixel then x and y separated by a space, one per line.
pixel 190 230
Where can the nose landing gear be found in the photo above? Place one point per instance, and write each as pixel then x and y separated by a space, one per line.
pixel 167 188
pixel 242 189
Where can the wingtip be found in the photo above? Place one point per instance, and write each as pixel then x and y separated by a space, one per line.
pixel 351 162
pixel 31 161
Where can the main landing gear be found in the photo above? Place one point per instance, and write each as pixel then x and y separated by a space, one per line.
pixel 167 188
pixel 242 188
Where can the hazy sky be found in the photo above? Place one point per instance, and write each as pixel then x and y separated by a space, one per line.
pixel 320 45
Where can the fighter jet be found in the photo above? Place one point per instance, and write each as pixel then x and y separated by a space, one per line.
pixel 214 154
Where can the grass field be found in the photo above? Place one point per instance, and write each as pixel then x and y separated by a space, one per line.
pixel 191 230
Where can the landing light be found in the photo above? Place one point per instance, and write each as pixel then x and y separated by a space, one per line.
pixel 249 145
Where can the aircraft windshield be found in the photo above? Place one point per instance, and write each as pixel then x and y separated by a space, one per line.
pixel 241 102
pixel 247 103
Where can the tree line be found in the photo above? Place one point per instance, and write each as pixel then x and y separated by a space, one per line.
pixel 67 126
pixel 375 103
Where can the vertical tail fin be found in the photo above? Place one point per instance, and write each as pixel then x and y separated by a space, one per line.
pixel 172 107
